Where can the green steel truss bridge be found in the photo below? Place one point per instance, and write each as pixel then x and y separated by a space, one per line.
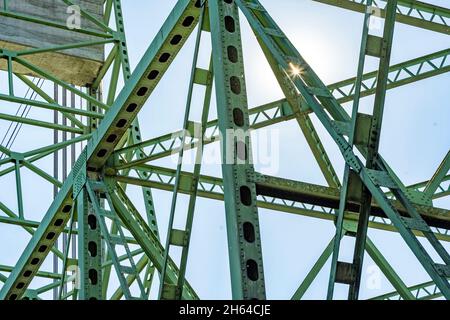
pixel 92 229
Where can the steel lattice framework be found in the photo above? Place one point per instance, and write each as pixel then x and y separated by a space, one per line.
pixel 101 227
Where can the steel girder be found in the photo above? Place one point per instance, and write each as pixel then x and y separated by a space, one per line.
pixel 282 55
pixel 149 71
pixel 372 142
pixel 288 193
pixel 424 291
pixel 277 111
pixel 280 195
pixel 244 240
pixel 415 13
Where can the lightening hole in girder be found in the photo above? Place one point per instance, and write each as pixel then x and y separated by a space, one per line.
pixel 131 107
pixel 164 57
pixel 188 21
pixel 93 276
pixel 252 270
pixel 249 232
pixel 238 117
pixel 111 138
pixel 142 91
pixel 235 85
pixel 92 248
pixel 153 74
pixel 102 153
pixel 121 123
pixel 92 222
pixel 246 195
pixel 229 24
pixel 176 39
pixel 232 54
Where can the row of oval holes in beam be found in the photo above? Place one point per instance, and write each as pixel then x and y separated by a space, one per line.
pixel 153 74
pixel 241 147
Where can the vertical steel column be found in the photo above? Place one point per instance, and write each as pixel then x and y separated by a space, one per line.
pixel 19 188
pixel 122 59
pixel 340 232
pixel 89 234
pixel 72 161
pixel 373 142
pixel 167 290
pixel 64 167
pixel 89 249
pixel 55 175
pixel 380 48
pixel 318 97
pixel 92 123
pixel 374 139
pixel 244 242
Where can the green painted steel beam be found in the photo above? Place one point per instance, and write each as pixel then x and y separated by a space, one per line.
pixel 375 255
pixel 149 71
pixel 438 177
pixel 400 74
pixel 37 154
pixel 140 265
pixel 147 239
pixel 318 150
pixel 166 290
pixel 168 144
pixel 312 274
pixel 388 271
pixel 51 106
pixel 401 77
pixel 52 24
pixel 39 123
pixel 41 173
pixel 90 249
pixel 26 52
pixel 372 143
pixel 95 189
pixel 277 111
pixel 41 274
pixel 411 12
pixel 300 191
pixel 53 285
pixel 212 188
pixel 134 136
pixel 47 75
pixel 25 223
pixel 121 59
pixel 241 212
pixel 108 11
pixel 99 23
pixel 320 100
pixel 105 67
pixel 47 98
pixel 161 52
pixel 442 190
pixel 39 245
pixel 424 291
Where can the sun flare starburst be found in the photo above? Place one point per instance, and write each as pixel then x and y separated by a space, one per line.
pixel 295 71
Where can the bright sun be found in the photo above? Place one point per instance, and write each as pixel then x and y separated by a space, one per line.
pixel 295 71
